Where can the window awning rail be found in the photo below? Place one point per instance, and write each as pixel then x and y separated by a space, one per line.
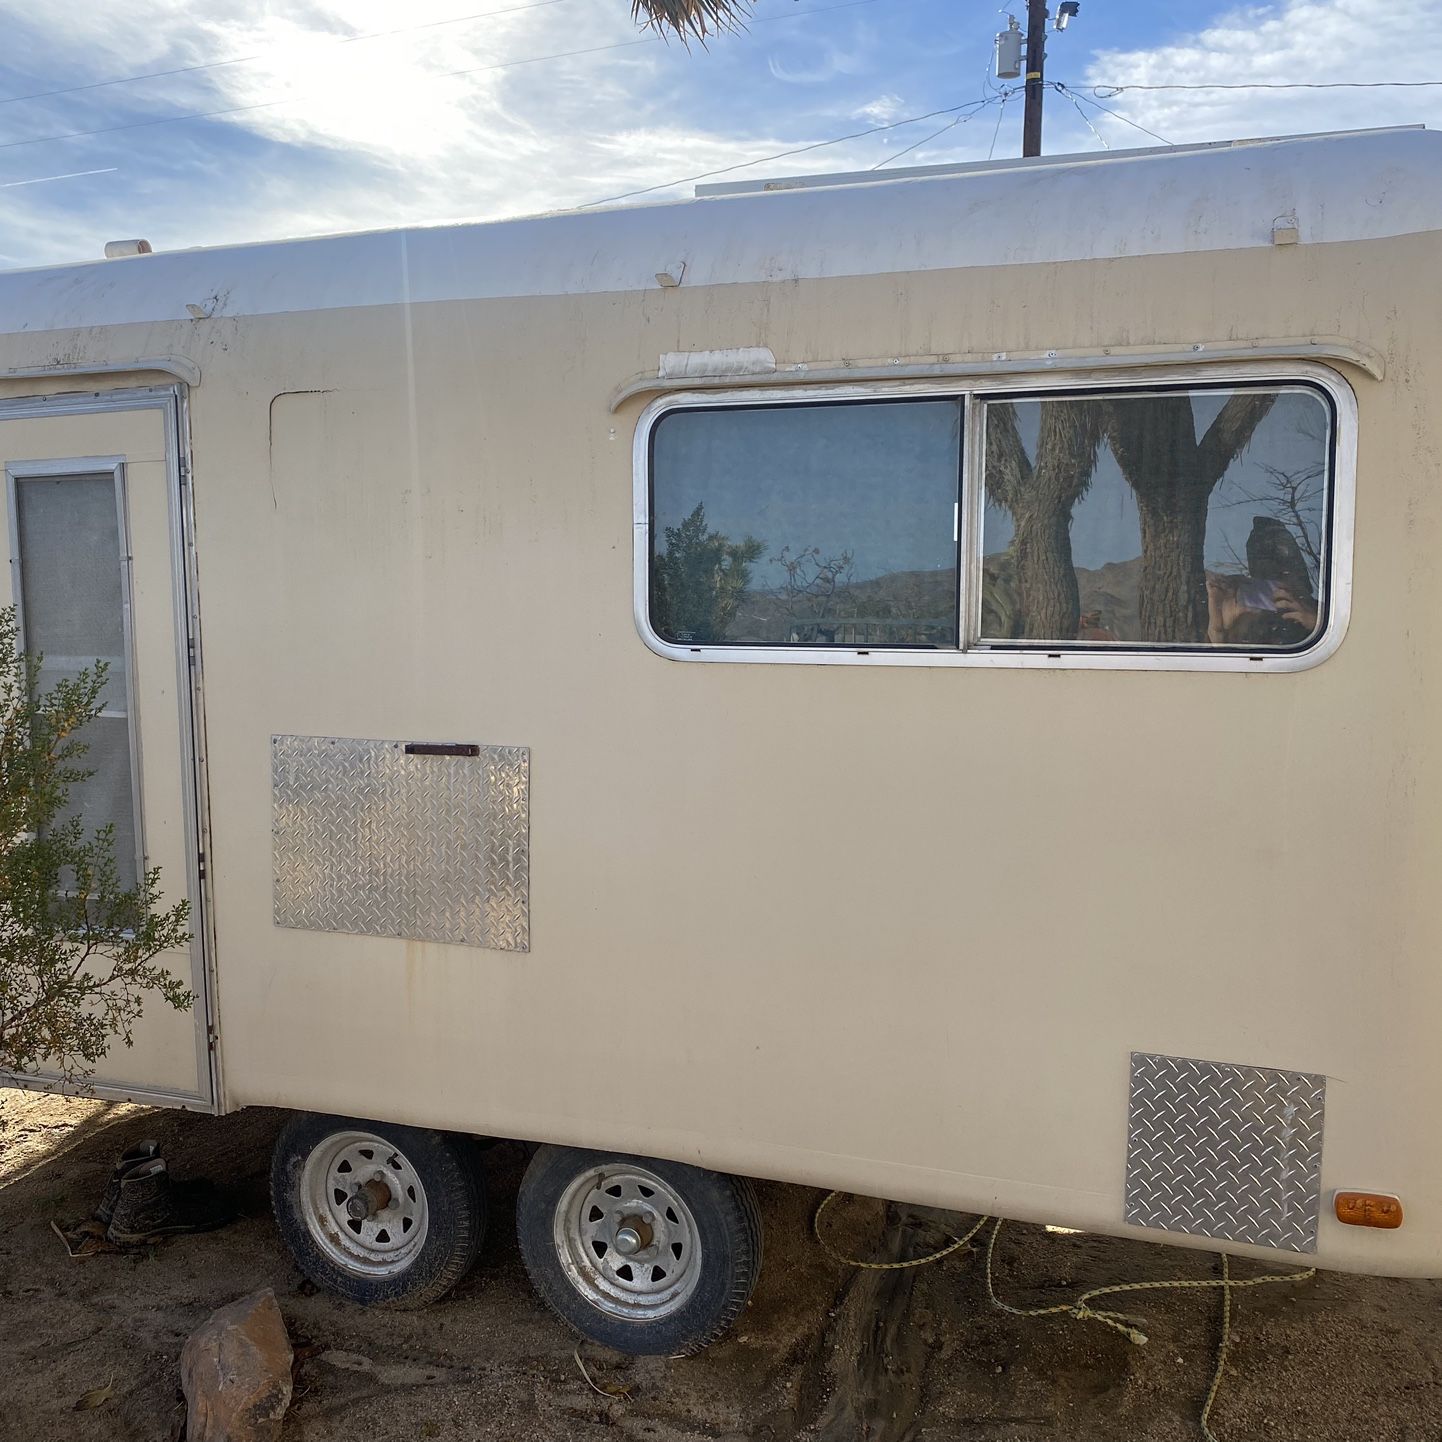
pixel 755 366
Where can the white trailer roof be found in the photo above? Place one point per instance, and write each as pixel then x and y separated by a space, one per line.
pixel 975 167
pixel 1342 187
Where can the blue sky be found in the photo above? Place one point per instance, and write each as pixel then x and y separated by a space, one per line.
pixel 326 131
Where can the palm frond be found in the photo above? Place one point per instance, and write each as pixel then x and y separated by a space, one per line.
pixel 691 19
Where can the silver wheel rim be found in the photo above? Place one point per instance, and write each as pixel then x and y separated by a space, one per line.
pixel 364 1204
pixel 627 1242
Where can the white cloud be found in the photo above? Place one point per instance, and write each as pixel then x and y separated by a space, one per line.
pixel 1287 42
pixel 333 132
pixel 881 111
pixel 382 131
pixel 833 63
pixel 406 139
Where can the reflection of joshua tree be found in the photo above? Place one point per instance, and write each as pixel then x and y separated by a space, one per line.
pixel 698 580
pixel 1170 471
pixel 814 585
pixel 1173 475
pixel 1040 497
pixel 1293 497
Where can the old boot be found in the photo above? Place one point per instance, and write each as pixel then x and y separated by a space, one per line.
pixel 130 1158
pixel 143 1206
pixel 153 1205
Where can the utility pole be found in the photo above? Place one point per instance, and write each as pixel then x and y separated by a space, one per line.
pixel 1036 18
pixel 1010 66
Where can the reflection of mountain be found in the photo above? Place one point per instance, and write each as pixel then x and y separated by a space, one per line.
pixel 902 608
pixel 1110 593
pixel 1114 591
pixel 917 608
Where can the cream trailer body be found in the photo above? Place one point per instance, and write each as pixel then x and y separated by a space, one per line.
pixel 924 686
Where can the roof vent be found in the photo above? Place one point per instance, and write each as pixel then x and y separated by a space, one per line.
pixel 114 249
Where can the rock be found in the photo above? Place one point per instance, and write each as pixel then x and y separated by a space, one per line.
pixel 235 1372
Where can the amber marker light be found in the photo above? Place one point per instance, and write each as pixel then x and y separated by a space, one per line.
pixel 1368 1209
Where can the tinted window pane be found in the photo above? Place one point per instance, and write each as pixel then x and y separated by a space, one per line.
pixel 69 543
pixel 807 525
pixel 105 797
pixel 1184 518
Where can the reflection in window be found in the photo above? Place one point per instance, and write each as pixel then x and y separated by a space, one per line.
pixel 70 566
pixel 1173 518
pixel 806 525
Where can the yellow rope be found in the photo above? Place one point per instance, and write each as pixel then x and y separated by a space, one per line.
pixel 955 1245
pixel 1223 1342
pixel 1081 1309
pixel 1129 1327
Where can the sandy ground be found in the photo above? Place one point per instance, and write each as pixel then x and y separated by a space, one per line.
pixel 824 1353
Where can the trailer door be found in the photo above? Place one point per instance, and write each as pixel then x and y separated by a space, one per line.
pixel 98 569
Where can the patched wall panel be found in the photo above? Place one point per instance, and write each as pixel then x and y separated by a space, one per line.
pixel 368 839
pixel 1231 1152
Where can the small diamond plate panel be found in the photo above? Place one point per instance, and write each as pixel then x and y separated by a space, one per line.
pixel 1232 1152
pixel 369 840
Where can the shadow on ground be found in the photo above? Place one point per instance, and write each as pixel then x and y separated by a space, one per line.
pixel 824 1353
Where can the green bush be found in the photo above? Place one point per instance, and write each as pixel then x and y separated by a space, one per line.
pixel 77 949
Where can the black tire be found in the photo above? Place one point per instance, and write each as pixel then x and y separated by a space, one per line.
pixel 720 1210
pixel 448 1184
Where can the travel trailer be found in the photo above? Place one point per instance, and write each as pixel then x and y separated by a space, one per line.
pixel 918 684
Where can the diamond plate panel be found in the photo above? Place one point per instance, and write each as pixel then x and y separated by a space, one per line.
pixel 1232 1152
pixel 369 840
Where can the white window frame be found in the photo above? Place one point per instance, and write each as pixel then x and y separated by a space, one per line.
pixel 1031 655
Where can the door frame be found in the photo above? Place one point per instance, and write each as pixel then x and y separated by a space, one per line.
pixel 172 401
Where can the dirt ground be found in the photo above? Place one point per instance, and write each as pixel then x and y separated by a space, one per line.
pixel 825 1353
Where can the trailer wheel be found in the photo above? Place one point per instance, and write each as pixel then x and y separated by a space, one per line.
pixel 383 1215
pixel 648 1257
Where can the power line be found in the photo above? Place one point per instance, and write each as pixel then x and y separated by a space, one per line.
pixel 990 92
pixel 1112 90
pixel 926 139
pixel 1115 114
pixel 441 75
pixel 784 154
pixel 997 131
pixel 950 125
pixel 1086 120
pixel 265 54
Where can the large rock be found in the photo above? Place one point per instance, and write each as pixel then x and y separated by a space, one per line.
pixel 235 1370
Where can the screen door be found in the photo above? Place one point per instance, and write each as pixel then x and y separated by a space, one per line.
pixel 95 519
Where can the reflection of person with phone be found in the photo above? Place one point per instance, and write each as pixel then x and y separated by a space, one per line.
pixel 1227 598
pixel 1245 611
pixel 1300 611
pixel 1274 605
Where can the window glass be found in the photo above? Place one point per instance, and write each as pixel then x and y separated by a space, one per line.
pixel 71 602
pixel 1182 518
pixel 806 525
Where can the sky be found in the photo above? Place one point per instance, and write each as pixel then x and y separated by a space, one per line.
pixel 299 117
